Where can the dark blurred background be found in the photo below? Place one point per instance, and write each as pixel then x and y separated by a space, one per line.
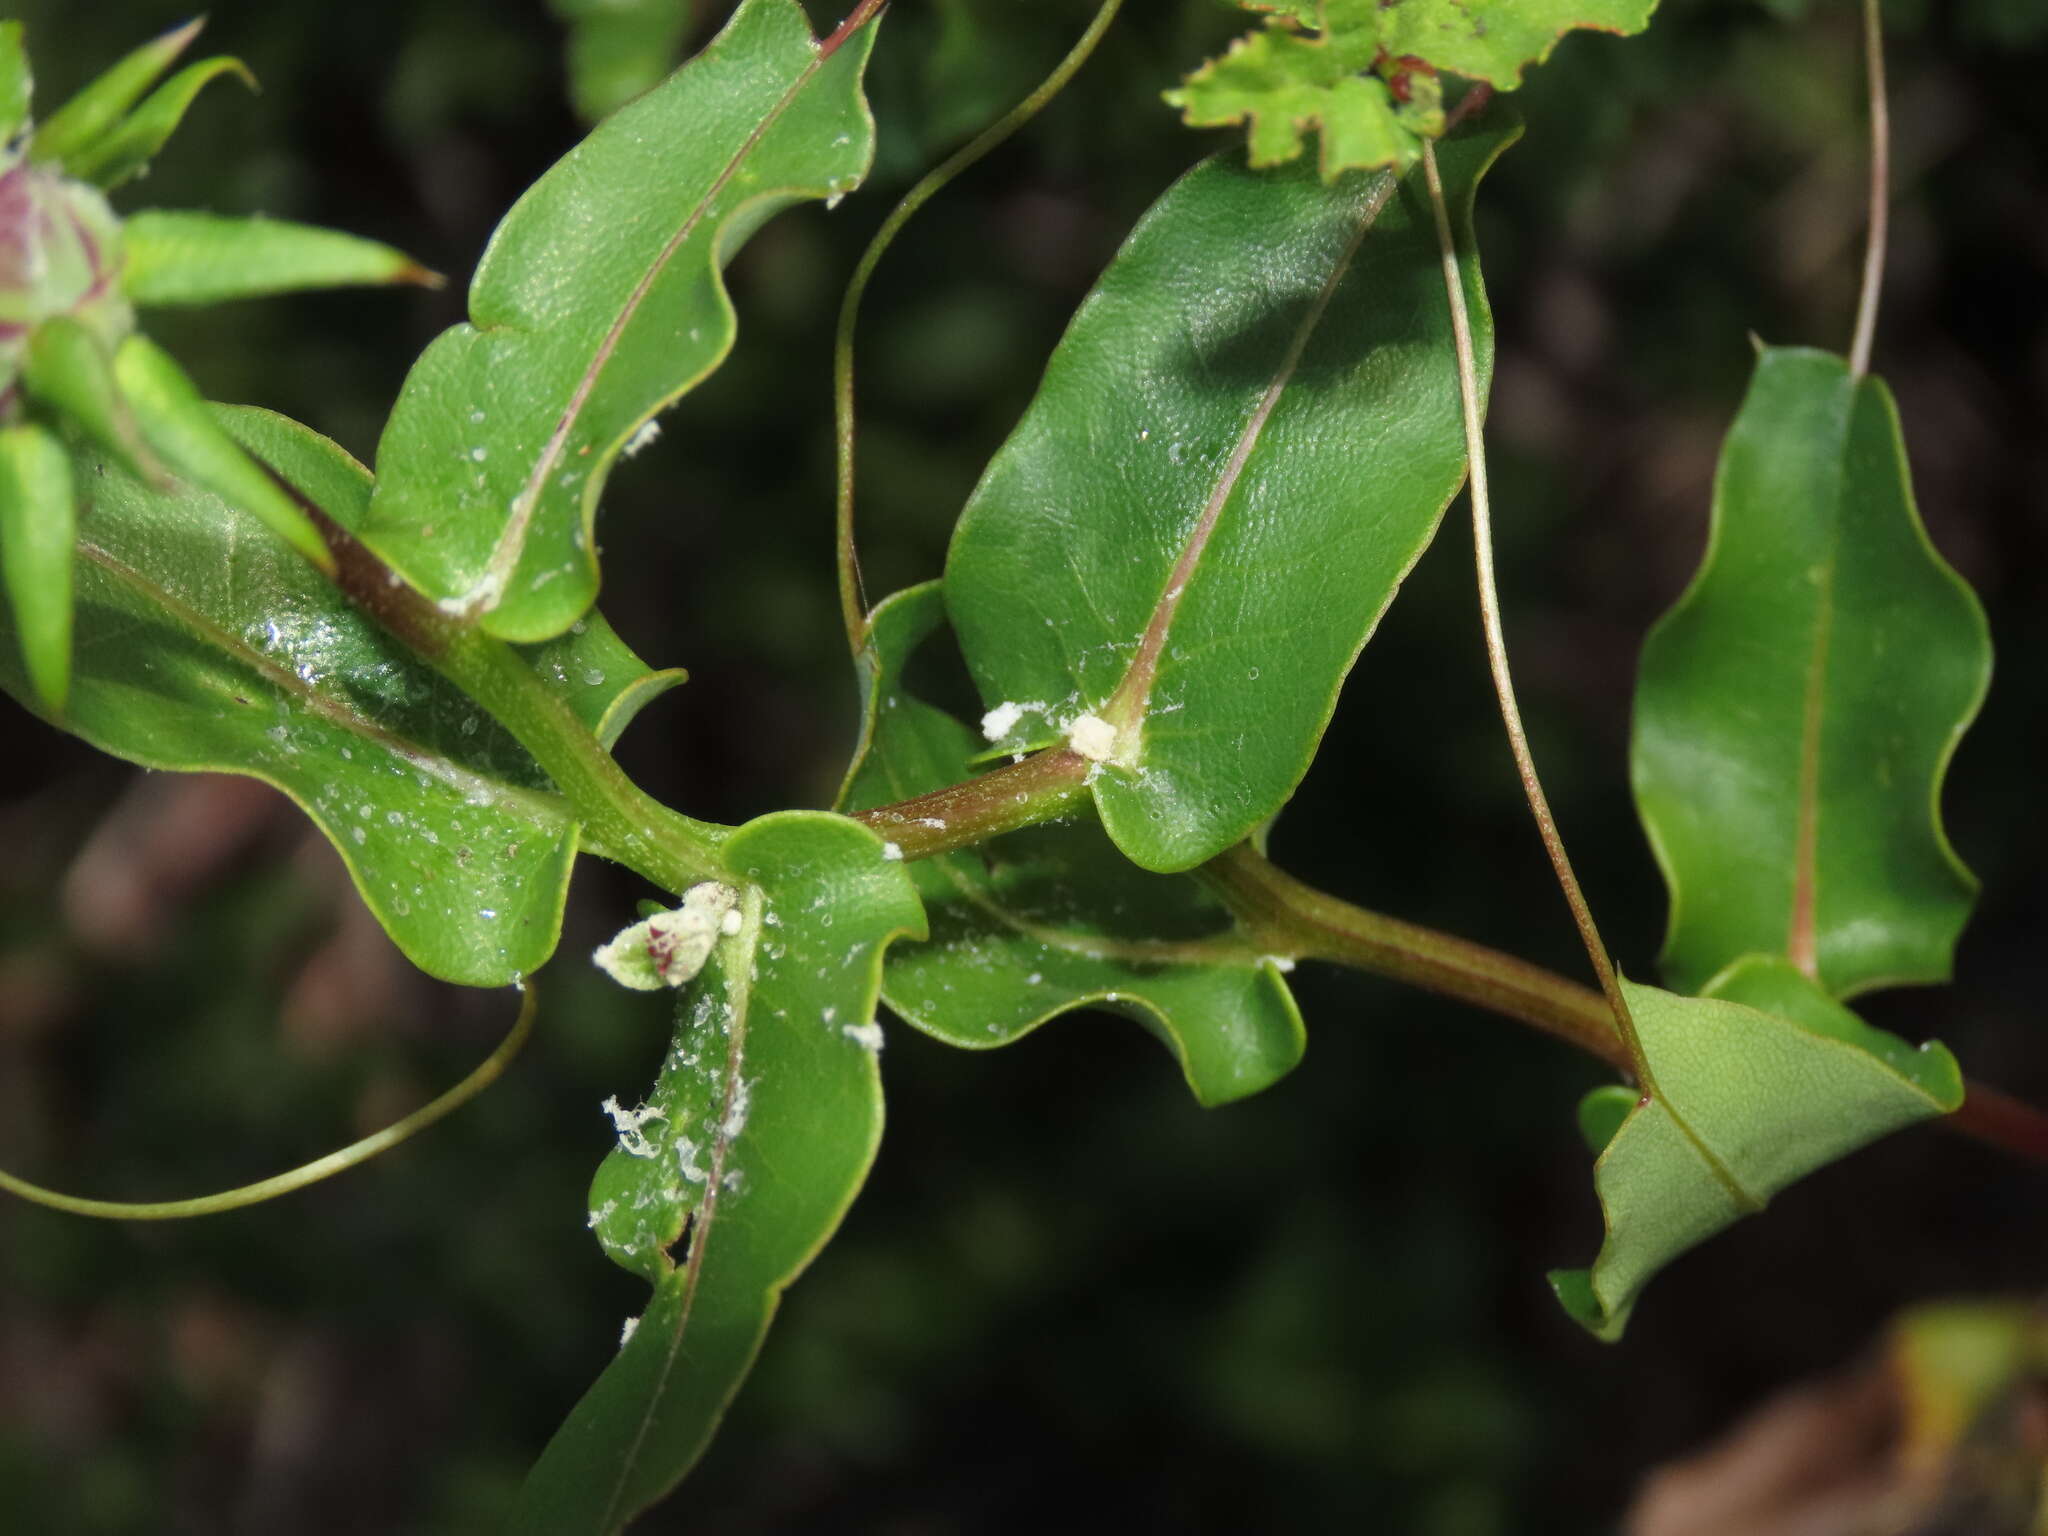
pixel 1069 1298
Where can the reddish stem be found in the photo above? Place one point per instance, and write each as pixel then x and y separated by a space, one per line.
pixel 861 15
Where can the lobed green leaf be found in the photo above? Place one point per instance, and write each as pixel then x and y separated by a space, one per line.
pixel 1044 921
pixel 1245 440
pixel 1755 1087
pixel 203 258
pixel 600 302
pixel 1796 710
pixel 758 1135
pixel 1282 82
pixel 1495 40
pixel 204 644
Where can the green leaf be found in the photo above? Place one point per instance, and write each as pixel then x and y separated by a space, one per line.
pixel 126 151
pixel 1282 83
pixel 758 1135
pixel 491 466
pixel 203 644
pixel 38 520
pixel 1755 1088
pixel 178 427
pixel 1051 919
pixel 88 116
pixel 1494 40
pixel 1245 440
pixel 1796 710
pixel 1364 71
pixel 67 367
pixel 597 672
pixel 201 258
pixel 15 82
pixel 619 49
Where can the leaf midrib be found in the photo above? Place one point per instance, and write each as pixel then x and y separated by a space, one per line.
pixel 738 967
pixel 534 804
pixel 1129 702
pixel 1801 939
pixel 504 562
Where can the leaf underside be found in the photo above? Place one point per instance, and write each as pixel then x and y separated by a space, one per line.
pixel 753 1143
pixel 1051 919
pixel 599 302
pixel 1796 710
pixel 1757 1086
pixel 1243 443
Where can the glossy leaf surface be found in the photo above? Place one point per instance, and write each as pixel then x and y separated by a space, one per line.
pixel 594 671
pixel 203 643
pixel 758 1134
pixel 1756 1087
pixel 203 258
pixel 599 302
pixel 1796 710
pixel 1243 443
pixel 1050 919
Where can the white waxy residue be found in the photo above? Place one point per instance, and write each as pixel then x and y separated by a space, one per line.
pixel 1093 737
pixel 630 1123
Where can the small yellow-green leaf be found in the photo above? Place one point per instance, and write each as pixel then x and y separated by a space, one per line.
pixel 88 116
pixel 126 150
pixel 67 367
pixel 1494 40
pixel 176 423
pixel 38 522
pixel 1796 710
pixel 1283 82
pixel 15 82
pixel 203 258
pixel 1755 1088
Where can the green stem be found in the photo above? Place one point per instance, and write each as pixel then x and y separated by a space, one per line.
pixel 620 821
pixel 852 600
pixel 1496 641
pixel 1040 788
pixel 1286 917
pixel 356 1153
pixel 1880 192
